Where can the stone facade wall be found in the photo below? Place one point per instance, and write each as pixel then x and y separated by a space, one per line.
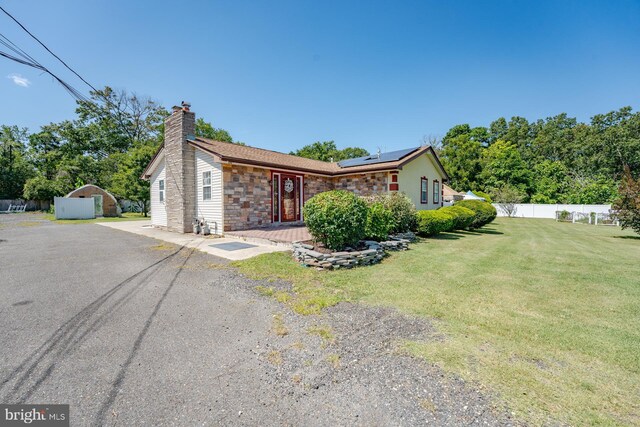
pixel 316 184
pixel 246 197
pixel 362 184
pixel 180 171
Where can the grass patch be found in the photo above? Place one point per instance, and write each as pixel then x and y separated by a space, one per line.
pixel 546 314
pixel 163 247
pixel 127 216
pixel 274 357
pixel 278 327
pixel 334 360
pixel 29 224
pixel 323 332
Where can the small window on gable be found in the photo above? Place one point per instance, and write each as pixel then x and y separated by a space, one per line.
pixel 206 185
pixel 424 190
pixel 161 190
pixel 436 192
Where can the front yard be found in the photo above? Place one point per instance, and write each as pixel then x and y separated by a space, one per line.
pixel 545 314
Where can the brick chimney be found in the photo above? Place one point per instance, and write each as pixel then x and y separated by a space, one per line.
pixel 180 169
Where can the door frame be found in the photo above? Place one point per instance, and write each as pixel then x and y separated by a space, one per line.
pixel 298 182
pixel 94 197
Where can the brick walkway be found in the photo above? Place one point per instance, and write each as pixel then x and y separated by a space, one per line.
pixel 274 234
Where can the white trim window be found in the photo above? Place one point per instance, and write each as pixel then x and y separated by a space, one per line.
pixel 161 190
pixel 436 192
pixel 206 185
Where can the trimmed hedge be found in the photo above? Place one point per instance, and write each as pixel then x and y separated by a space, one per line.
pixel 484 212
pixel 463 217
pixel 433 222
pixel 402 209
pixel 379 222
pixel 336 218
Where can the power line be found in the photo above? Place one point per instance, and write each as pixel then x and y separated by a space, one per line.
pixel 48 50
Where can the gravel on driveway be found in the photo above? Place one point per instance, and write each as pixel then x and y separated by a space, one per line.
pixel 132 331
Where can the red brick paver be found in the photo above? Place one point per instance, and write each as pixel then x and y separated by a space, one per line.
pixel 276 234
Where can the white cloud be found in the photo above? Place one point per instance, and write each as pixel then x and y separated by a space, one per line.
pixel 19 80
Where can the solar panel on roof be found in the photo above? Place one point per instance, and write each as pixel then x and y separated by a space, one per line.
pixel 391 156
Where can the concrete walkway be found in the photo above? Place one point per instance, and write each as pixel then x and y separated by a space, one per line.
pixel 228 248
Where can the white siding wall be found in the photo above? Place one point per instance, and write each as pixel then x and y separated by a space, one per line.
pixel 210 210
pixel 158 209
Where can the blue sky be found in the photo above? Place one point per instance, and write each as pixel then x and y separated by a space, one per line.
pixel 282 74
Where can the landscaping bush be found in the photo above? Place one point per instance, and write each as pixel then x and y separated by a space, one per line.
pixel 336 218
pixel 402 208
pixel 487 197
pixel 379 222
pixel 484 213
pixel 462 217
pixel 433 222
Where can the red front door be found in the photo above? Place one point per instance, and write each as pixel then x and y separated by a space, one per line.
pixel 288 191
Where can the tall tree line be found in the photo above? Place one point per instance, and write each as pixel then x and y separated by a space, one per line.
pixel 552 160
pixel 109 143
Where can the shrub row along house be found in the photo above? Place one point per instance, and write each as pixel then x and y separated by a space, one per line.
pixel 234 187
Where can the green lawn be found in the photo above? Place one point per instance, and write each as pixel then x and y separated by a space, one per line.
pixel 127 216
pixel 544 314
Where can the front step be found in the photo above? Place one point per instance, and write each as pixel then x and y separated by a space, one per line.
pixel 259 241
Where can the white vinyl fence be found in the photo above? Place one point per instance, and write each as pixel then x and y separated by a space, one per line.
pixel 74 208
pixel 538 210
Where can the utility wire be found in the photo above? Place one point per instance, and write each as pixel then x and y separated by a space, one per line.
pixel 48 50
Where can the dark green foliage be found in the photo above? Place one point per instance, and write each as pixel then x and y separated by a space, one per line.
pixel 379 222
pixel 336 218
pixel 327 151
pixel 484 213
pixel 433 222
pixel 402 208
pixel 42 189
pixel 462 217
pixel 627 206
pixel 555 160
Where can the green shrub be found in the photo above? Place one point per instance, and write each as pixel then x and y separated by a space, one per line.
pixel 433 222
pixel 484 213
pixel 463 217
pixel 379 222
pixel 336 218
pixel 487 197
pixel 402 208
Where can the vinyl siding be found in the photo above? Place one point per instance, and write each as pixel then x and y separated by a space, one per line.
pixel 158 209
pixel 409 180
pixel 210 210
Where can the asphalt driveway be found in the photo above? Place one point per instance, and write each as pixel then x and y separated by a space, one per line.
pixel 132 331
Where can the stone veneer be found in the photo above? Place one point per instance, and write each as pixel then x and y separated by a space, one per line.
pixel 246 197
pixel 180 170
pixel 362 184
pixel 247 193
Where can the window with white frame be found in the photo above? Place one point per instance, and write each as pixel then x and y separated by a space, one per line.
pixel 436 192
pixel 206 185
pixel 161 190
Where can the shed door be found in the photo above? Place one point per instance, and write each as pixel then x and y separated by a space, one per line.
pixel 97 203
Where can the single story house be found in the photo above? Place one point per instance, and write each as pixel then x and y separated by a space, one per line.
pixel 235 187
pixel 103 201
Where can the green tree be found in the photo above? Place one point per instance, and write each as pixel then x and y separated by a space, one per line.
pixel 551 183
pixel 15 168
pixel 461 158
pixel 42 189
pixel 327 152
pixel 126 183
pixel 503 166
pixel 206 130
